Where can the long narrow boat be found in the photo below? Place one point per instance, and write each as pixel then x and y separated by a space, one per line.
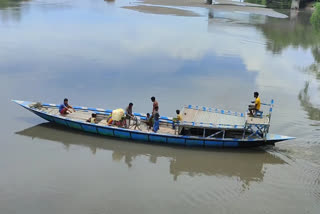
pixel 201 126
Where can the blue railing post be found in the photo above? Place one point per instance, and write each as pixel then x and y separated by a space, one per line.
pixel 270 112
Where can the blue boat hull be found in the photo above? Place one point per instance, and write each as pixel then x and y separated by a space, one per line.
pixel 164 139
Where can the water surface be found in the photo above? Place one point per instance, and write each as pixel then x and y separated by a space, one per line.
pixel 99 54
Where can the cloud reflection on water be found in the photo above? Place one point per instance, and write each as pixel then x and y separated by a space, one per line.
pixel 175 58
pixel 182 161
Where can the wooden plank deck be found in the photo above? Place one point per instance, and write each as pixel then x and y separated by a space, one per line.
pixel 84 115
pixel 189 115
pixel 197 116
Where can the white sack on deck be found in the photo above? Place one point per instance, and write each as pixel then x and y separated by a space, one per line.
pixel 117 114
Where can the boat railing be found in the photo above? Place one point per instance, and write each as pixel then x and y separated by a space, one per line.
pixel 259 130
pixel 208 125
pixel 266 104
pixel 214 110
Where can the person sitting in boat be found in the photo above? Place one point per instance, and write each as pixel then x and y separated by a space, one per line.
pixel 156 122
pixel 93 118
pixel 177 119
pixel 109 120
pixel 148 121
pixel 65 108
pixel 257 104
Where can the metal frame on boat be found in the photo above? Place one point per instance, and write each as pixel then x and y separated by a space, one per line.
pixel 239 123
pixel 212 134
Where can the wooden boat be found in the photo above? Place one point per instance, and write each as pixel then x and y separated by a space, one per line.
pixel 202 126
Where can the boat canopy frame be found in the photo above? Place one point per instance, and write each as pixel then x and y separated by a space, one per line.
pixel 250 129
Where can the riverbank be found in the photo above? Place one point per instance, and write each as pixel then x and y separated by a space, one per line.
pixel 161 10
pixel 184 7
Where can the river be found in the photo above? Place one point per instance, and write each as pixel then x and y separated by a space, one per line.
pixel 109 53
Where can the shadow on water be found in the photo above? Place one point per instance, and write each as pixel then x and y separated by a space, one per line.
pixel 304 98
pixel 247 165
pixel 296 32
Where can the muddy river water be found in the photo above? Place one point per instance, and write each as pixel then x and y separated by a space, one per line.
pixel 109 53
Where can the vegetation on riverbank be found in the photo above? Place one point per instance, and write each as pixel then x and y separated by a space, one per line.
pixel 11 3
pixel 315 18
pixel 279 4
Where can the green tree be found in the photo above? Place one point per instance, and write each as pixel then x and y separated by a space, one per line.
pixel 315 18
pixel 279 4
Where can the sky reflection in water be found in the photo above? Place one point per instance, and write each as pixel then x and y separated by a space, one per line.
pixel 100 55
pixel 66 48
pixel 175 58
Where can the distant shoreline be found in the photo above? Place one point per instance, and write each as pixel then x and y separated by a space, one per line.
pixel 179 7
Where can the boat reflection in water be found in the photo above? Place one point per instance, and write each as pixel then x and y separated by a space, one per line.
pixel 246 165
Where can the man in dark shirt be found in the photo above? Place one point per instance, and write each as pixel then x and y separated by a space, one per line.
pixel 65 108
pixel 129 113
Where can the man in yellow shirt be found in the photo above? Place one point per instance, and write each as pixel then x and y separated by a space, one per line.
pixel 257 104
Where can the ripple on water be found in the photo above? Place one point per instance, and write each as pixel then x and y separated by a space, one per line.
pixel 219 191
pixel 300 176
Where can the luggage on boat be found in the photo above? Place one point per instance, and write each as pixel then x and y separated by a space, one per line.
pixel 118 114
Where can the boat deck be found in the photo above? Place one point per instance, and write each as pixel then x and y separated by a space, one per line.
pixel 194 118
pixel 200 116
pixel 84 115
pixel 208 117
